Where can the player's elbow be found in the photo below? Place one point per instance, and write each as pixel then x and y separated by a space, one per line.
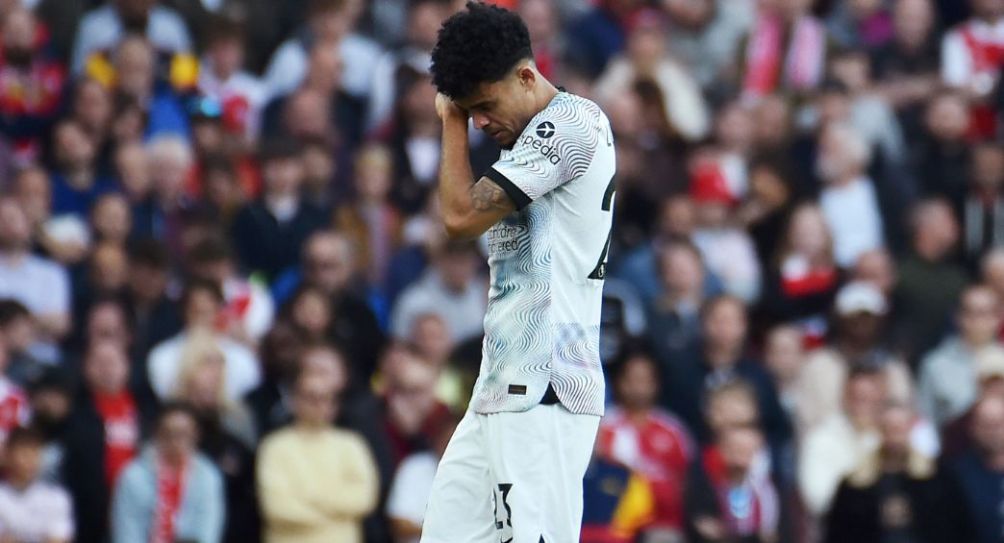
pixel 458 229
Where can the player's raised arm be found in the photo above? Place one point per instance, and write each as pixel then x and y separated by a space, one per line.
pixel 468 208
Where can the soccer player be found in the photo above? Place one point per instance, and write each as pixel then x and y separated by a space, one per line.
pixel 513 470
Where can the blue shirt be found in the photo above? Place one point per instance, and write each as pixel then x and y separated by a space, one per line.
pixel 68 199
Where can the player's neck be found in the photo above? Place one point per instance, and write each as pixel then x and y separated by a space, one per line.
pixel 545 92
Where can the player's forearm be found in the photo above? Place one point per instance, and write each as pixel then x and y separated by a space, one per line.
pixel 455 178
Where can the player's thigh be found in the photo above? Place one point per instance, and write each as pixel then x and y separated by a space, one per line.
pixel 538 459
pixel 460 506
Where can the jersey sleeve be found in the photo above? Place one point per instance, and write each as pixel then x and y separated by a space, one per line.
pixel 557 146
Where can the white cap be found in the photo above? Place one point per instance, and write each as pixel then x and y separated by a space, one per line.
pixel 860 297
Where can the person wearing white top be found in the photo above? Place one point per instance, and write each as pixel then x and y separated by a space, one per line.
pixel 959 68
pixel 849 203
pixel 32 511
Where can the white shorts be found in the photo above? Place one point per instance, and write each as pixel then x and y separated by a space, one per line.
pixel 512 478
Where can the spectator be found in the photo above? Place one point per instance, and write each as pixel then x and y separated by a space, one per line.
pixel 727 249
pixel 38 283
pixel 170 492
pixel 18 333
pixel 33 83
pixel 103 28
pixel 412 486
pixel 50 396
pixel 134 66
pixel 941 156
pixel 281 350
pixel 248 310
pixel 154 314
pixel 432 342
pixel 226 434
pixel 877 268
pixel 858 340
pixel 982 212
pixel 727 498
pixel 718 358
pixel 802 277
pixel 848 201
pixel 929 282
pixel 202 303
pixel 75 183
pixel 948 374
pixel 111 219
pixel 170 161
pixel 981 469
pixel 767 66
pixel 897 492
pixel 269 232
pixel 956 438
pixel 241 95
pixel 646 58
pixel 991 271
pixel 650 441
pixel 970 62
pixel 411 412
pixel 104 431
pixel 299 466
pixel 452 288
pixel 906 67
pixel 30 509
pixel 673 320
pixel 330 24
pixel 371 221
pixel 784 355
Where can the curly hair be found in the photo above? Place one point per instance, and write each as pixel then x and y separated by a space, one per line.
pixel 478 45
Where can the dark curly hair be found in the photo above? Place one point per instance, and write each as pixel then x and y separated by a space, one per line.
pixel 478 45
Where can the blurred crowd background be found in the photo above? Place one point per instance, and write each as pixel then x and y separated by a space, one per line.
pixel 228 310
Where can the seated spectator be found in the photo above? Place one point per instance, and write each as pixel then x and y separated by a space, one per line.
pixel 969 64
pixel 451 288
pixel 982 212
pixel 727 249
pixel 269 233
pixel 409 493
pixel 948 381
pixel 784 356
pixel 727 498
pixel 155 315
pixel 929 279
pixel 718 358
pixel 848 199
pixel 832 449
pixel 941 152
pixel 242 96
pixel 858 340
pixel 227 435
pixel 248 310
pixel 299 466
pixel 780 28
pixel 646 57
pixel 956 434
pixel 897 492
pixel 170 492
pixel 202 303
pixel 31 510
pixel 371 221
pixel 981 468
pixel 802 278
pixel 50 396
pixel 40 284
pixel 76 183
pixel 432 342
pixel 280 349
pixel 103 435
pixel 18 333
pixel 111 219
pixel 649 441
pixel 102 28
pixel 411 411
pixel 33 83
pixel 674 321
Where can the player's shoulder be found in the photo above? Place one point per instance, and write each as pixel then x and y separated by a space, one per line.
pixel 573 114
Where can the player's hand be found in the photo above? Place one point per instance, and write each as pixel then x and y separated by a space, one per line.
pixel 447 109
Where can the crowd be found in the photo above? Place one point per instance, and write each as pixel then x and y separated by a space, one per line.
pixel 229 311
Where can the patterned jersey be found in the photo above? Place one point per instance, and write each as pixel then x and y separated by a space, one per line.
pixel 548 262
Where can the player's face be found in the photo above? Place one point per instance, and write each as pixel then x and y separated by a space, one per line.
pixel 503 108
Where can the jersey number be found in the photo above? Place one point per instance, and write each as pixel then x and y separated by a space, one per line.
pixel 600 271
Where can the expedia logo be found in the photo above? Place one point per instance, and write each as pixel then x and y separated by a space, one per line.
pixel 545 129
pixel 550 152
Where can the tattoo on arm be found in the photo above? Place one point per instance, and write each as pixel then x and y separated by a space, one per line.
pixel 487 196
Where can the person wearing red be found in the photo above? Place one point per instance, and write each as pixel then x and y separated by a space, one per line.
pixel 648 440
pixel 103 435
pixel 972 55
pixel 14 407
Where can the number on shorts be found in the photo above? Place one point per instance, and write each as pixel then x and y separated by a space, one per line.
pixel 504 489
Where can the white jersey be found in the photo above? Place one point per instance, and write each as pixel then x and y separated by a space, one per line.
pixel 548 262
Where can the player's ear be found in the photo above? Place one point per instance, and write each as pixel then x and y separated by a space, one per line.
pixel 526 75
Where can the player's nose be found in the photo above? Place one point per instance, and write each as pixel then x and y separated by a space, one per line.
pixel 480 121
